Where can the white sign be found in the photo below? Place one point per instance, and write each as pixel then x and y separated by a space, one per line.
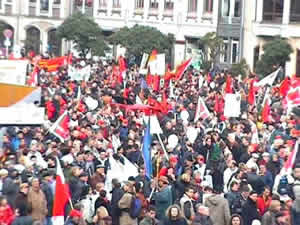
pixel 79 74
pixel 232 105
pixel 13 71
pixel 158 67
pixel 22 115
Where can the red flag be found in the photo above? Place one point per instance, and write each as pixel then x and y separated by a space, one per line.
pixel 284 87
pixel 61 127
pixel 33 80
pixel 149 79
pixel 53 64
pixel 251 94
pixel 182 68
pixel 266 112
pixel 228 87
pixel 156 83
pixel 61 197
pixel 217 107
pixel 122 66
pixel 288 165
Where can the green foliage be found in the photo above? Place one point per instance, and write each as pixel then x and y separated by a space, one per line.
pixel 140 39
pixel 276 53
pixel 85 33
pixel 241 68
pixel 212 46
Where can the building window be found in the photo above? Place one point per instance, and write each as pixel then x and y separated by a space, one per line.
pixel 116 4
pixel 192 6
pixel 273 10
pixel 56 2
pixel 169 4
pixel 153 4
pixel 226 8
pixel 224 56
pixel 208 7
pixel 295 11
pixel 237 8
pixel 234 51
pixel 139 4
pixel 32 1
pixel 102 3
pixel 44 5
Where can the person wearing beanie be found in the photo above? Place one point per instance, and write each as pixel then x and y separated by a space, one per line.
pixel 163 198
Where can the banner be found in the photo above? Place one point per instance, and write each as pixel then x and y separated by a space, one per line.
pixel 232 105
pixel 13 95
pixel 29 115
pixel 79 74
pixel 13 71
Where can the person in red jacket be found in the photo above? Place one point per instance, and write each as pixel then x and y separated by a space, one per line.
pixel 6 213
pixel 263 202
pixel 50 109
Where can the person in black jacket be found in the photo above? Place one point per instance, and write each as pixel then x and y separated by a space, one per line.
pixel 249 209
pixel 21 199
pixel 146 181
pixel 47 187
pixel 23 218
pixel 117 194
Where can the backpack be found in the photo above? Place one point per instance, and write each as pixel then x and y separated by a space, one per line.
pixel 135 208
pixel 283 185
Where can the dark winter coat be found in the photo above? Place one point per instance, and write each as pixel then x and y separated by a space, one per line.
pixel 10 190
pixel 163 199
pixel 250 212
pixel 21 204
pixel 23 220
pixel 49 196
pixel 180 221
pixel 117 194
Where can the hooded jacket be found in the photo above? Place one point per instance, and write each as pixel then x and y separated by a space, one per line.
pixel 219 212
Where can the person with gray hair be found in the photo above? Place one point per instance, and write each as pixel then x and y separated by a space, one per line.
pixel 202 215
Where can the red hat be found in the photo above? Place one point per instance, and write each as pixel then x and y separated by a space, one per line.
pixel 75 213
pixel 173 159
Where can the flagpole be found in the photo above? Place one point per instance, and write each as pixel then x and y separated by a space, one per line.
pixel 163 147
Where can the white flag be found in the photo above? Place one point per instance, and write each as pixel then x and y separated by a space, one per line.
pixel 268 79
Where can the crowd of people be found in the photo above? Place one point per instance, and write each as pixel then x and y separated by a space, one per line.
pixel 223 177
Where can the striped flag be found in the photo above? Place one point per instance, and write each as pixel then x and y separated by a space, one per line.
pixel 201 110
pixel 61 127
pixel 288 165
pixel 61 196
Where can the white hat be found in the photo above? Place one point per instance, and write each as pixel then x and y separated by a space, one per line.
pixel 266 154
pixel 256 222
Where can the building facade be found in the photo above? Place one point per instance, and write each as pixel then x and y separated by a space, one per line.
pixel 188 20
pixel 230 28
pixel 34 21
pixel 265 19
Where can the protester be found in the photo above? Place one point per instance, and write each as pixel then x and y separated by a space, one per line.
pixel 178 172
